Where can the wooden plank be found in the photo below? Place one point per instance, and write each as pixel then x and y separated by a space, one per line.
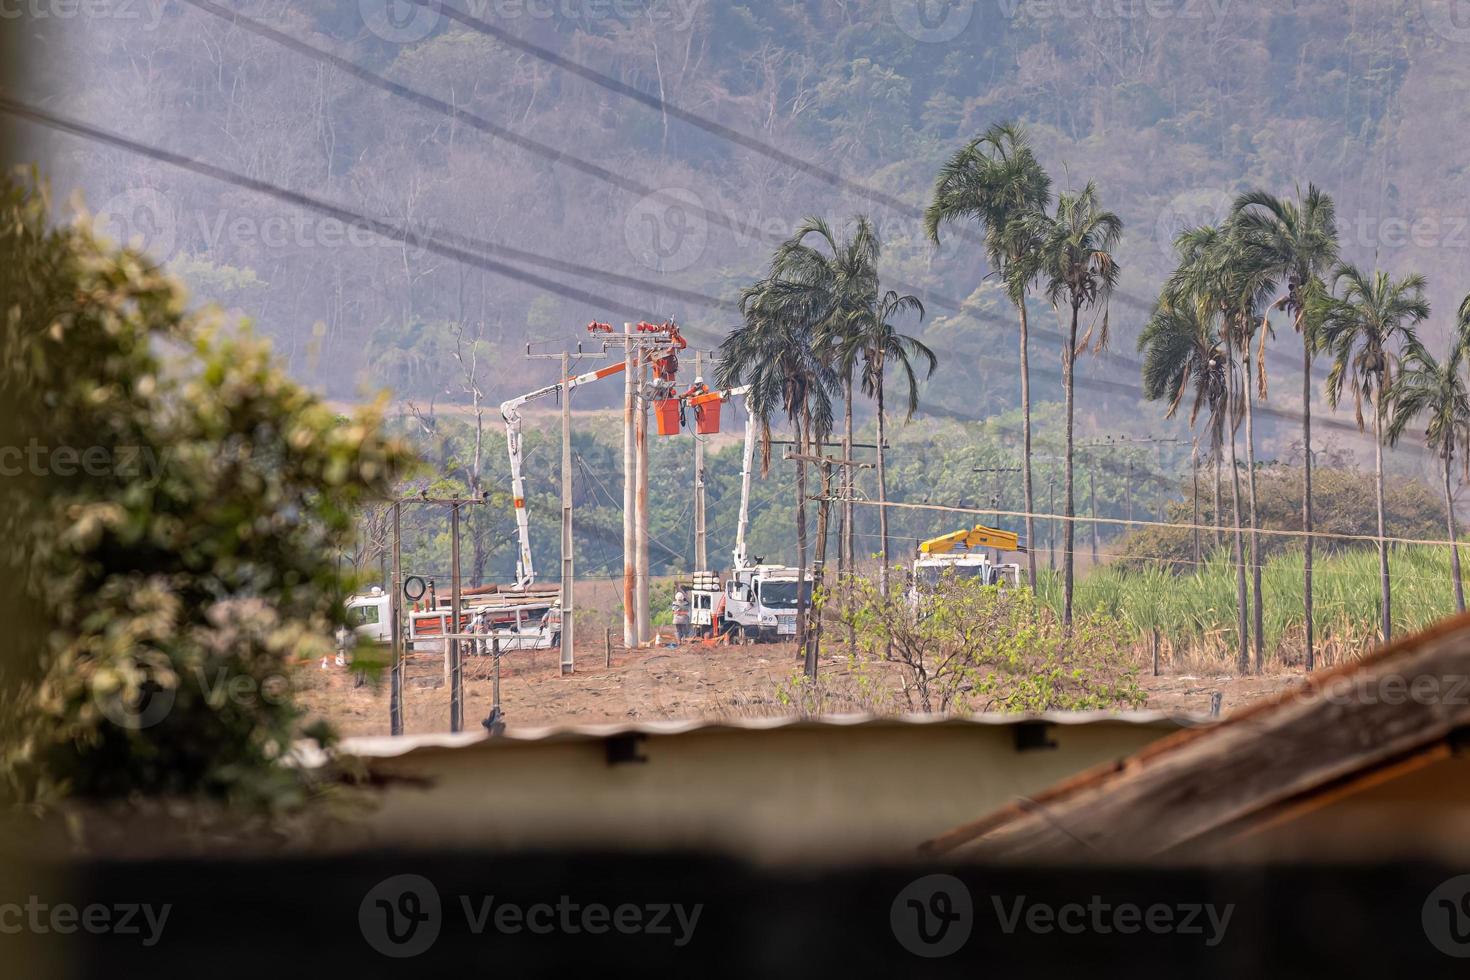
pixel 1355 719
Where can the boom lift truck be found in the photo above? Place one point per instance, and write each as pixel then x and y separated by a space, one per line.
pixel 958 555
pixel 758 601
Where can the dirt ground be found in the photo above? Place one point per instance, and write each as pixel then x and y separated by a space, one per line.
pixel 662 682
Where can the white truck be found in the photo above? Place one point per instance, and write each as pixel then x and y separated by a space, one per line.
pixel 758 602
pixel 522 620
pixel 958 555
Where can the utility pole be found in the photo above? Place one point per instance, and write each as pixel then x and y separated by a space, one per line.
pixel 999 471
pixel 819 559
pixel 1051 524
pixel 1092 506
pixel 701 558
pixel 641 505
pixel 568 565
pixel 630 483
pixel 395 605
pixel 1128 492
pixel 456 675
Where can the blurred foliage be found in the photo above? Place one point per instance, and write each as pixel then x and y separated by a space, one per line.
pixel 181 579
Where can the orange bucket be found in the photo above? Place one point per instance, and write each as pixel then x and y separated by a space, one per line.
pixel 707 414
pixel 666 411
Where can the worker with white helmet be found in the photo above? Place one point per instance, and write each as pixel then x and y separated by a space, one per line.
pixel 681 614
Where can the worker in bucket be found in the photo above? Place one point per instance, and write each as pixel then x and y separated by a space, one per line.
pixel 681 615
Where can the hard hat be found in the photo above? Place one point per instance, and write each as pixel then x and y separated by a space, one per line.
pixel 699 381
pixel 679 594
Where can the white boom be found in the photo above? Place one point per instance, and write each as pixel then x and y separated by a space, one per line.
pixel 510 411
pixel 744 525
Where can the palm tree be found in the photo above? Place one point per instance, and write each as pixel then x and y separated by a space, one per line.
pixel 1074 260
pixel 874 338
pixel 1363 330
pixel 1427 387
pixel 1300 242
pixel 1244 282
pixel 997 180
pixel 774 352
pixel 1182 356
pixel 1202 287
pixel 843 283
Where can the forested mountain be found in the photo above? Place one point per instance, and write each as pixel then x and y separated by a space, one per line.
pixel 831 107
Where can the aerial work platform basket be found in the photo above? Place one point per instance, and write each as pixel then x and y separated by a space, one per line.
pixel 666 413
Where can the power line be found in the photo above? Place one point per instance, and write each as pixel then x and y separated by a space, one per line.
pixel 462 254
pixel 386 229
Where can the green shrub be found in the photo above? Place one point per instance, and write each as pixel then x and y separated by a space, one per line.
pixel 973 647
pixel 182 575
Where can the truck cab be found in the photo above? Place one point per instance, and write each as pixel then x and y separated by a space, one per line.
pixel 761 602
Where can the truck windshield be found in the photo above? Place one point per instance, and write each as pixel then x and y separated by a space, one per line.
pixel 782 595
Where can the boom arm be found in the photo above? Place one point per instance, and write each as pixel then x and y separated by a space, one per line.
pixel 978 536
pixel 749 458
pixel 510 411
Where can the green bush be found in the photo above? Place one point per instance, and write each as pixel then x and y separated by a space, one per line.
pixel 973 647
pixel 184 572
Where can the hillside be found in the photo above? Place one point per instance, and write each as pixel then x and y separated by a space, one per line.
pixel 787 109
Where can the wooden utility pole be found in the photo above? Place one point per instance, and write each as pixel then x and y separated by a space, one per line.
pixel 824 464
pixel 395 606
pixel 396 613
pixel 568 566
pixel 456 674
pixel 701 556
pixel 1051 525
pixel 1092 507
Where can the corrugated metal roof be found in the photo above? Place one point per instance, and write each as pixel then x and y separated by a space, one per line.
pixel 389 746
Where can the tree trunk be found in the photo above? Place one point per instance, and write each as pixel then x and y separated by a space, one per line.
pixel 1069 363
pixel 1382 533
pixel 1449 514
pixel 1026 485
pixel 1258 619
pixel 1243 654
pixel 800 443
pixel 882 496
pixel 1219 516
pixel 1309 626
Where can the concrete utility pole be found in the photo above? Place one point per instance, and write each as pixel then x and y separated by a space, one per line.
pixel 701 558
pixel 568 566
pixel 630 483
pixel 645 633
